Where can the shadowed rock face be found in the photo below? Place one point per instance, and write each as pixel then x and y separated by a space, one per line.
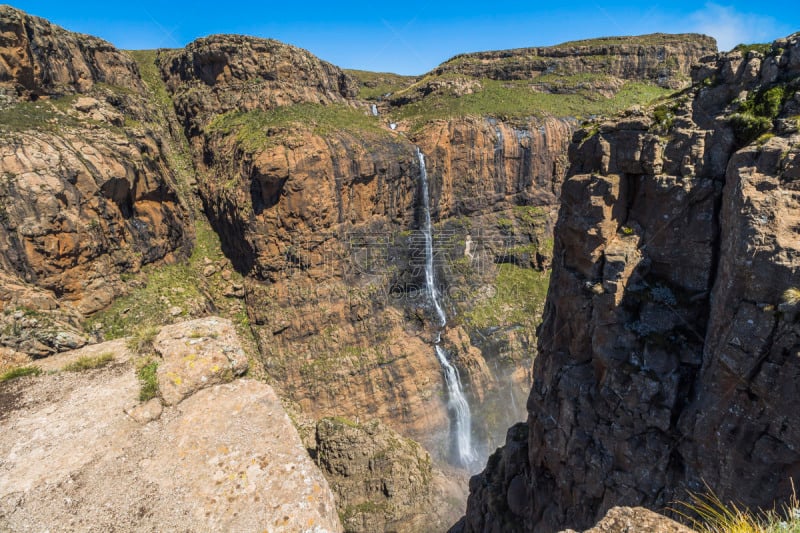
pixel 668 351
pixel 86 192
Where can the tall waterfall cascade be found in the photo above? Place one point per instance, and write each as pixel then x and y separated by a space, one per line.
pixel 461 430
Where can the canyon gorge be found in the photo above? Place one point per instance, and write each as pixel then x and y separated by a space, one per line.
pixel 594 244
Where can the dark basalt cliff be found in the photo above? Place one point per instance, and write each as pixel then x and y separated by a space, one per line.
pixel 669 345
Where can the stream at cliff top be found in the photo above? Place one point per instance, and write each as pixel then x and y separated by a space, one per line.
pixel 457 403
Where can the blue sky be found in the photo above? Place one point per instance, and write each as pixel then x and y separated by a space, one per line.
pixel 413 36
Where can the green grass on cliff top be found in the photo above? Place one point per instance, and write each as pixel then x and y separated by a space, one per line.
pixel 258 129
pixel 373 85
pixel 503 99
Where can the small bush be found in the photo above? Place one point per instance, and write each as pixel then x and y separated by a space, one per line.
pixel 148 380
pixel 89 363
pixel 748 128
pixel 664 117
pixel 20 372
pixel 766 102
pixel 141 342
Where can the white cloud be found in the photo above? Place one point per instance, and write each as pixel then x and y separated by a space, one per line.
pixel 730 27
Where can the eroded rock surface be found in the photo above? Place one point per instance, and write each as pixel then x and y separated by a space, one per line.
pixel 635 519
pixel 662 58
pixel 226 458
pixel 195 355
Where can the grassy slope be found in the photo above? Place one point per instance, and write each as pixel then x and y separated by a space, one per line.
pixel 577 94
pixel 373 85
pixel 259 129
pixel 515 99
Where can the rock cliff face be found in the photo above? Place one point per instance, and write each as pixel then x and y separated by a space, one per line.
pixel 668 350
pixel 233 72
pixel 661 58
pixel 86 193
pixel 318 204
pixel 38 59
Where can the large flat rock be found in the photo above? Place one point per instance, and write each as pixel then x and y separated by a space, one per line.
pixel 226 459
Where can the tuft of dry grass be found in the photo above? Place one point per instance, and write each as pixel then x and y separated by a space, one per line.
pixel 791 296
pixel 89 363
pixel 707 513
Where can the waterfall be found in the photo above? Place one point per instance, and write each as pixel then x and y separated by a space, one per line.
pixel 374 110
pixel 427 230
pixel 457 402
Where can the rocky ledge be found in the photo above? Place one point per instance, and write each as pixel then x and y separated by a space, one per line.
pixel 226 457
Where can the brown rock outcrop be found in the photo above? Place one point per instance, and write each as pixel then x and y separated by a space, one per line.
pixel 633 520
pixel 195 355
pixel 223 73
pixel 38 58
pixel 668 351
pixel 484 165
pixel 382 481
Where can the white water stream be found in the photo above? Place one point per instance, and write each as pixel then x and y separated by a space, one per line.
pixel 457 402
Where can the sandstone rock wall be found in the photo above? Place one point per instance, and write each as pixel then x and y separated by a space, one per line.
pixel 86 192
pixel 222 73
pixel 669 343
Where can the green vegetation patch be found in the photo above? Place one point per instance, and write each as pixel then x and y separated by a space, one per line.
pixel 163 287
pixel 755 115
pixel 20 372
pixel 373 85
pixel 148 381
pixel 256 130
pixel 761 48
pixel 653 39
pixel 517 99
pixel 518 299
pixel 42 115
pixel 664 115
pixel 89 363
pixel 141 342
pixel 707 513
